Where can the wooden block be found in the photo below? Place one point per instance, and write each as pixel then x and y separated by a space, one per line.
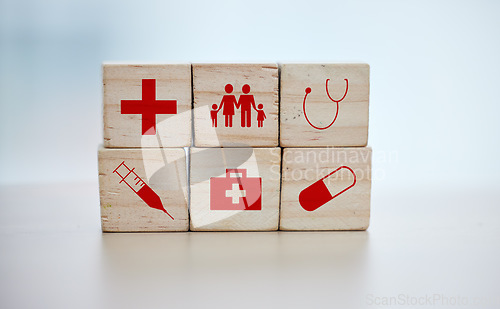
pixel 147 105
pixel 232 115
pixel 326 188
pixel 157 203
pixel 311 116
pixel 235 189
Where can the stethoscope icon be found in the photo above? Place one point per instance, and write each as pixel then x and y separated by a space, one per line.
pixel 308 90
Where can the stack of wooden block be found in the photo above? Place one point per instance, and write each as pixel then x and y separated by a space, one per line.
pixel 275 147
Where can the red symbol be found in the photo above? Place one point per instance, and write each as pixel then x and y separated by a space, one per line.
pixel 236 193
pixel 149 107
pixel 318 194
pixel 245 103
pixel 134 182
pixel 308 90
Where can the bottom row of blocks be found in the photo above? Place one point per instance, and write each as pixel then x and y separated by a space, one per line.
pixel 235 189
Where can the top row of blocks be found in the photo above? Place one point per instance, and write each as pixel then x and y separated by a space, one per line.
pixel 236 105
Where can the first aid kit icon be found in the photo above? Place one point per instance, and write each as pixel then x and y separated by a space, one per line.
pixel 236 191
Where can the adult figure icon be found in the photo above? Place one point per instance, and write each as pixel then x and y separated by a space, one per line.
pixel 227 104
pixel 245 103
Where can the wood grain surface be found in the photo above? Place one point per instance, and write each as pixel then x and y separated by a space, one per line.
pixel 305 167
pixel 209 81
pixel 208 163
pixel 351 123
pixel 124 82
pixel 163 170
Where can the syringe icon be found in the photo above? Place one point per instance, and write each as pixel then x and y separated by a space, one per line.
pixel 134 182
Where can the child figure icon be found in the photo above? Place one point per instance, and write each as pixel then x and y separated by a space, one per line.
pixel 261 115
pixel 245 103
pixel 213 115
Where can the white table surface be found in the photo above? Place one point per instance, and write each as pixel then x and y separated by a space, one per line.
pixel 425 247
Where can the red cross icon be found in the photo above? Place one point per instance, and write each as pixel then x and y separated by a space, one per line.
pixel 149 107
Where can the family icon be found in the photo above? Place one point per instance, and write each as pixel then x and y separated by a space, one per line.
pixel 245 103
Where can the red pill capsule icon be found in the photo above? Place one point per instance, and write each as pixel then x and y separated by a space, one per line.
pixel 319 193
